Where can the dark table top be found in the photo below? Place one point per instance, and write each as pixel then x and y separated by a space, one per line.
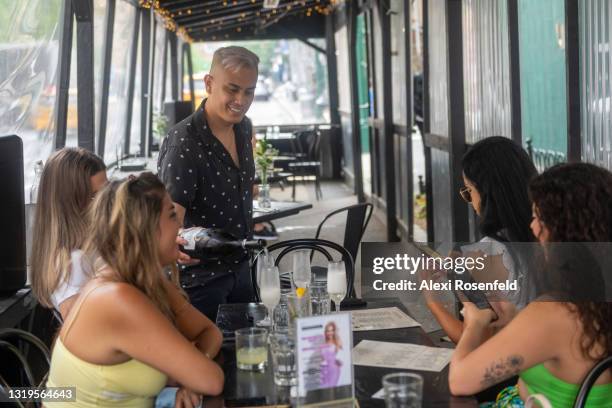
pixel 244 388
pixel 275 177
pixel 280 136
pixel 280 209
pixel 15 307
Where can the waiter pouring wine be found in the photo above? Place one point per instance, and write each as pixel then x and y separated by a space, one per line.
pixel 206 162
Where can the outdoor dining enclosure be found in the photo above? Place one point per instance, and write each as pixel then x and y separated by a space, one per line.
pixel 383 97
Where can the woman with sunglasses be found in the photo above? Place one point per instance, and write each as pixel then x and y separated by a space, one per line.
pixel 496 175
pixel 557 339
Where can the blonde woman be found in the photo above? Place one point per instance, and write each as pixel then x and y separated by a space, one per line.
pixel 70 179
pixel 331 366
pixel 129 330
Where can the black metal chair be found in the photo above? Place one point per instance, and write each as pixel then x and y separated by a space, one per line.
pixel 319 245
pixel 357 220
pixel 28 376
pixel 589 381
pixel 307 159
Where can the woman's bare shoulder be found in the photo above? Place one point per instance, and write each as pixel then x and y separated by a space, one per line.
pixel 120 297
pixel 550 315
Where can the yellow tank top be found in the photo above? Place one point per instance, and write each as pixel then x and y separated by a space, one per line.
pixel 131 384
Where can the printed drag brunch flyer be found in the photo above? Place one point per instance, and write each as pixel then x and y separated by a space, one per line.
pixel 324 346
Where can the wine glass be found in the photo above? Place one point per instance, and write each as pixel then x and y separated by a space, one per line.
pixel 336 282
pixel 301 268
pixel 264 259
pixel 269 291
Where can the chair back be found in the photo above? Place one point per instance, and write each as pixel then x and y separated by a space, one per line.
pixel 357 220
pixel 589 381
pixel 21 353
pixel 308 144
pixel 319 245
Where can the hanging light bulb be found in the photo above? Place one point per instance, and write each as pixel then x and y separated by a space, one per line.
pixel 271 4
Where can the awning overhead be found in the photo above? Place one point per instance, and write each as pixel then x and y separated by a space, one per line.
pixel 225 20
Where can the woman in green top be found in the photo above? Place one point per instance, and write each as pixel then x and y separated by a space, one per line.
pixel 552 343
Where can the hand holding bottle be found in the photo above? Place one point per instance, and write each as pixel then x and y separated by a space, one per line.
pixel 213 243
pixel 183 258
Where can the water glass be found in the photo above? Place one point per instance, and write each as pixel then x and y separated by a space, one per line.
pixel 299 306
pixel 280 317
pixel 251 348
pixel 319 298
pixel 403 390
pixel 282 350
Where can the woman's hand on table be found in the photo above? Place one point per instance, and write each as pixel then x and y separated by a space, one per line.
pixel 186 398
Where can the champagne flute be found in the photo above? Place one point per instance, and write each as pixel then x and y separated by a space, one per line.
pixel 264 260
pixel 336 282
pixel 301 268
pixel 269 292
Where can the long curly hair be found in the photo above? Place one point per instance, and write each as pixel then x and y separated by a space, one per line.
pixel 574 203
pixel 123 235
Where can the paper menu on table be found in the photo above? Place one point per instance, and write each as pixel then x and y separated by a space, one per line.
pixel 381 319
pixel 401 355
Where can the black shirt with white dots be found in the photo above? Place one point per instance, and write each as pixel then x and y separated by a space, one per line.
pixel 201 176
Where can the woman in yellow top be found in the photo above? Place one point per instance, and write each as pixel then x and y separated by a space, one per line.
pixel 127 331
pixel 552 343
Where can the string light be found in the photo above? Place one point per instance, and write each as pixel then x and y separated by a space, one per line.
pixel 323 8
pixel 167 18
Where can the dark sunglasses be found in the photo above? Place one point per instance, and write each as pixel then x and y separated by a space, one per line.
pixel 464 192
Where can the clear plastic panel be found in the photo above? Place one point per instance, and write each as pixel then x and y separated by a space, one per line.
pixel 29 51
pixel 596 84
pixel 486 69
pixel 118 89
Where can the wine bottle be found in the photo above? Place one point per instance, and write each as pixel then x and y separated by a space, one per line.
pixel 211 243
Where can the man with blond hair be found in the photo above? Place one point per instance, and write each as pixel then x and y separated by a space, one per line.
pixel 206 162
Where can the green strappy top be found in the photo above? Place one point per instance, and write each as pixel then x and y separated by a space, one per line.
pixel 560 393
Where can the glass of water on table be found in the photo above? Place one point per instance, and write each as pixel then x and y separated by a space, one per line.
pixel 319 298
pixel 282 351
pixel 403 390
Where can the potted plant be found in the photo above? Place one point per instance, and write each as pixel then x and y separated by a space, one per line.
pixel 160 127
pixel 264 162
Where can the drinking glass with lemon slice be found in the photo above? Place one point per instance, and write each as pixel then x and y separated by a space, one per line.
pixel 298 303
pixel 301 271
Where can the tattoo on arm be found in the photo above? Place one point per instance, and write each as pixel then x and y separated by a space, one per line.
pixel 502 369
